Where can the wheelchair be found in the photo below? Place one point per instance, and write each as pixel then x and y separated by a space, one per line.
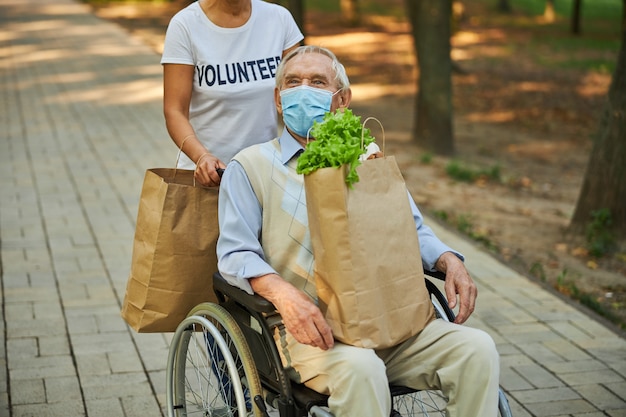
pixel 223 362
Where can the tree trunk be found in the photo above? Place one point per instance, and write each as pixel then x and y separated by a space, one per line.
pixel 604 185
pixel 296 7
pixel 576 16
pixel 433 110
pixel 350 13
pixel 504 6
pixel 548 12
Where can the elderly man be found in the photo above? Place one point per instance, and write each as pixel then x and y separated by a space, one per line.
pixel 264 247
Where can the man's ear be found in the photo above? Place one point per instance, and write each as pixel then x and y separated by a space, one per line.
pixel 277 102
pixel 345 97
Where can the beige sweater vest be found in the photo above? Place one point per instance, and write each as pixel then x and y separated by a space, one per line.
pixel 280 191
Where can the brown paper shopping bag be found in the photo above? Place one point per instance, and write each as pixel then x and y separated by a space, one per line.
pixel 368 269
pixel 174 257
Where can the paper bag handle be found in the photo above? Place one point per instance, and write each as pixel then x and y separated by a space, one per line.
pixel 363 132
pixel 180 150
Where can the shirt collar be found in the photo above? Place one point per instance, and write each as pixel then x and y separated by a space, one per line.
pixel 289 146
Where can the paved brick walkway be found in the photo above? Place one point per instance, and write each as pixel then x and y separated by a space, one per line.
pixel 80 121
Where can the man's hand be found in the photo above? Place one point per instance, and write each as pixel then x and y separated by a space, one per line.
pixel 458 281
pixel 301 317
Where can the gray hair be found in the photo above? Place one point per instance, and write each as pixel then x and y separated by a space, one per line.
pixel 340 72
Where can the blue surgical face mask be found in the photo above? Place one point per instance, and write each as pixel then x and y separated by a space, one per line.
pixel 303 105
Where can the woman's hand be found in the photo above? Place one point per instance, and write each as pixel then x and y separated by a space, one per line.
pixel 206 170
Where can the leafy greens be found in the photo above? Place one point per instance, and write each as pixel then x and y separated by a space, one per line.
pixel 337 142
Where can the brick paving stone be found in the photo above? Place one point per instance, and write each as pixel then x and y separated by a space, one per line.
pixel 71 408
pixel 538 376
pixel 571 330
pixel 110 407
pixel 540 353
pixel 617 388
pixel 567 349
pixel 600 397
pixel 575 366
pixel 115 385
pixel 62 389
pixel 590 377
pixel 543 395
pixel 93 364
pixel 515 360
pixel 136 406
pixel 41 366
pixel 556 408
pixel 28 391
pixel 511 380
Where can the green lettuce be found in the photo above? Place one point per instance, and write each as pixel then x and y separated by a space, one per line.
pixel 337 142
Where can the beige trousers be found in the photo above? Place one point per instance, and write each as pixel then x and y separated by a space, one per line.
pixel 460 361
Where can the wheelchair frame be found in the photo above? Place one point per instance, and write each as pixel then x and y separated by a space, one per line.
pixel 223 361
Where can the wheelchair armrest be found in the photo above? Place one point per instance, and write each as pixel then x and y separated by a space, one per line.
pixel 435 274
pixel 253 302
pixel 257 303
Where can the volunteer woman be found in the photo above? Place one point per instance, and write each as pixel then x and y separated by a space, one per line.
pixel 219 66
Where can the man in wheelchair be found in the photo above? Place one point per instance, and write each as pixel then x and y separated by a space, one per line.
pixel 262 249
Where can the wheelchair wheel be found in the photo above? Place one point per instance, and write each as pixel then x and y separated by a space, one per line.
pixel 433 403
pixel 420 403
pixel 210 371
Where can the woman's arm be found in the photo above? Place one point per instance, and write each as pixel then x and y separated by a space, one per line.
pixel 177 88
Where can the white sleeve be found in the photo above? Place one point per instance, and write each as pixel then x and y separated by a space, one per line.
pixel 177 46
pixel 293 35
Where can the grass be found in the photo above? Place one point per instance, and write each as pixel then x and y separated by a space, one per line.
pixel 591 9
pixel 569 287
pixel 599 18
pixel 372 7
pixel 465 225
pixel 103 2
pixel 462 172
pixel 599 234
pixel 552 44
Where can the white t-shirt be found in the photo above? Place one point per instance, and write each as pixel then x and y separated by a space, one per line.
pixel 232 103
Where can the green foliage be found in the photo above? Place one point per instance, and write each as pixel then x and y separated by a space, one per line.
pixel 374 7
pixel 465 225
pixel 563 51
pixel 426 158
pixel 461 172
pixel 597 9
pixel 102 2
pixel 599 18
pixel 339 140
pixel 569 287
pixel 537 271
pixel 599 234
pixel 441 215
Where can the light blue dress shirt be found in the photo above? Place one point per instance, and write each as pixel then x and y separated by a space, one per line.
pixel 239 252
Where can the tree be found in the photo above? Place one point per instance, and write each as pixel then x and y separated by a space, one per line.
pixel 576 16
pixel 548 12
pixel 504 6
pixel 604 184
pixel 350 13
pixel 296 7
pixel 297 10
pixel 430 21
